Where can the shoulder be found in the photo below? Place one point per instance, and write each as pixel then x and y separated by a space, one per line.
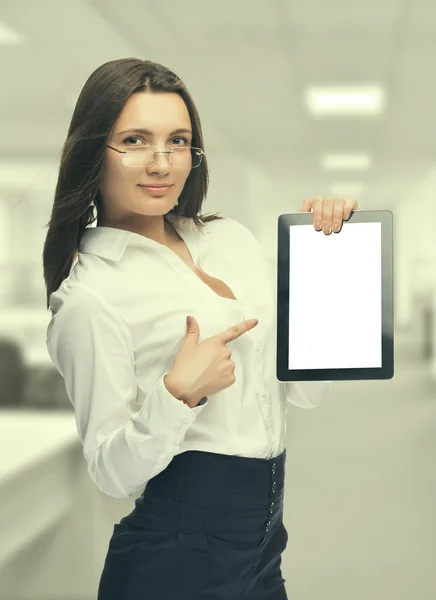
pixel 80 316
pixel 80 304
pixel 234 233
pixel 72 295
pixel 227 225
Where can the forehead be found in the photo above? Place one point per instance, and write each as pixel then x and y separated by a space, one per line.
pixel 157 111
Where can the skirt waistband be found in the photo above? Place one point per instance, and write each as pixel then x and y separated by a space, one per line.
pixel 217 480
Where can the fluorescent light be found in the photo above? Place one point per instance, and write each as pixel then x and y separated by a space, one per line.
pixel 345 100
pixel 359 162
pixel 340 189
pixel 9 37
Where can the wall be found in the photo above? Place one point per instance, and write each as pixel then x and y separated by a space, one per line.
pixel 415 263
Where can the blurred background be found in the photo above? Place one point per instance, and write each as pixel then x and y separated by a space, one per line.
pixel 298 98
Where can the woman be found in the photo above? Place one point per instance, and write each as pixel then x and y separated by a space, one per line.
pixel 191 416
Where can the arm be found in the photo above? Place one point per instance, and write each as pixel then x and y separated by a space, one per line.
pixel 92 349
pixel 306 394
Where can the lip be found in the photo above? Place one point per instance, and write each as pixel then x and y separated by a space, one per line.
pixel 157 186
pixel 156 190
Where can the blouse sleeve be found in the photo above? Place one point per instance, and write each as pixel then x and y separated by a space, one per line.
pixel 91 347
pixel 306 394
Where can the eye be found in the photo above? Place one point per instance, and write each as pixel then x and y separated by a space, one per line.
pixel 181 138
pixel 132 137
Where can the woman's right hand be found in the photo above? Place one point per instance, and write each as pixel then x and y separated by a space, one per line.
pixel 203 369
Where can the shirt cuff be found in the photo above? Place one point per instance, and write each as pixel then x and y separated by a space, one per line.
pixel 165 415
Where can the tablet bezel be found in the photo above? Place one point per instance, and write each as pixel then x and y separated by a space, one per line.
pixel 386 371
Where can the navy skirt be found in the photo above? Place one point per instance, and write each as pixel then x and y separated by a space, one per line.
pixel 209 527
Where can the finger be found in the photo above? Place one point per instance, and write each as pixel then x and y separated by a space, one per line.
pixel 307 205
pixel 327 215
pixel 232 333
pixel 338 211
pixel 317 213
pixel 349 206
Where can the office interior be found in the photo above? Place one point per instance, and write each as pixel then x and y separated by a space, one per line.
pixel 297 99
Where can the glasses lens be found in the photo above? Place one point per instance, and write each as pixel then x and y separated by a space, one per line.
pixel 180 157
pixel 184 156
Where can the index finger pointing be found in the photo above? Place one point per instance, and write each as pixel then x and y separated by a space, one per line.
pixel 232 333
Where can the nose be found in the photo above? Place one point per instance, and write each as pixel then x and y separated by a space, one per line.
pixel 160 164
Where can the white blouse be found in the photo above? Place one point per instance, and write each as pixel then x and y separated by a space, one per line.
pixel 118 321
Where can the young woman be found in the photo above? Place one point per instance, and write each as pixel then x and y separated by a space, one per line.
pixel 191 415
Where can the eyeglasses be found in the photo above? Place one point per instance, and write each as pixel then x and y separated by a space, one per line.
pixel 180 157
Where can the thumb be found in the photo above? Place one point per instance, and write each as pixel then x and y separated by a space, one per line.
pixel 192 331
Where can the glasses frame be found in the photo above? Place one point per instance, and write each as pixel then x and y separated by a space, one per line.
pixel 200 153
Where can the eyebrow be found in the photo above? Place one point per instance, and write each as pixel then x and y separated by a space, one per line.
pixel 148 132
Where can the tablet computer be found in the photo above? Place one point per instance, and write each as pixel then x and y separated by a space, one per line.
pixel 335 304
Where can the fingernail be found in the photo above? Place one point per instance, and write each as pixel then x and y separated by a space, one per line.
pixel 317 226
pixel 326 230
pixel 336 228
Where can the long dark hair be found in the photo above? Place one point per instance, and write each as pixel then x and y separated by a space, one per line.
pixel 100 103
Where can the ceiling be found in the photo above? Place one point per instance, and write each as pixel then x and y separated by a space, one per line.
pixel 246 64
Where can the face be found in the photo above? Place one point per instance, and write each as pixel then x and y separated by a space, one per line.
pixel 126 202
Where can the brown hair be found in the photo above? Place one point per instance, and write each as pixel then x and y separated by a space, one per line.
pixel 100 103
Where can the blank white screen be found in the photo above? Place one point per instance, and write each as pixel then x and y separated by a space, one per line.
pixel 335 307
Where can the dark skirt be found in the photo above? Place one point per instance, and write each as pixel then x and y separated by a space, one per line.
pixel 209 527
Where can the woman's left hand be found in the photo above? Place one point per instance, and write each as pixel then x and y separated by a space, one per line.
pixel 328 213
